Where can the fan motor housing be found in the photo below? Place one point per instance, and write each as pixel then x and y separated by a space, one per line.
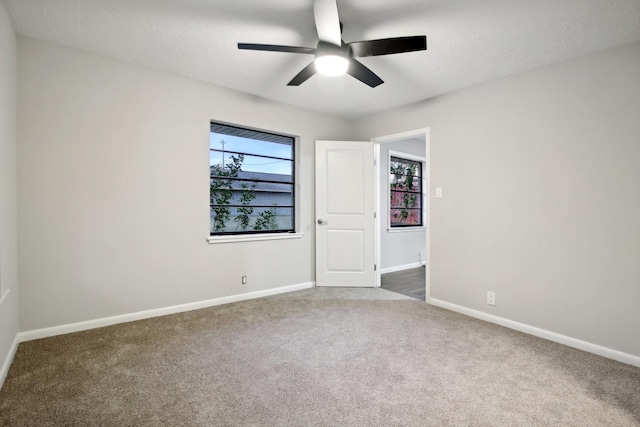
pixel 326 49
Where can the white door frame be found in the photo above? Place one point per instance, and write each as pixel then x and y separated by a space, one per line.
pixel 427 203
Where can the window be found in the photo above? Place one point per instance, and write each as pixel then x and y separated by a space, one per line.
pixel 251 181
pixel 405 191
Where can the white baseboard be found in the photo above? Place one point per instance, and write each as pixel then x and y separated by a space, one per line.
pixel 4 369
pixel 6 363
pixel 401 267
pixel 114 320
pixel 541 333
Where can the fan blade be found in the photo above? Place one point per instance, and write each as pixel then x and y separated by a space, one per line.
pixel 388 46
pixel 276 48
pixel 325 13
pixel 362 73
pixel 303 75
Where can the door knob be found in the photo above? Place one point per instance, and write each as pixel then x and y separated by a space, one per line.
pixel 321 222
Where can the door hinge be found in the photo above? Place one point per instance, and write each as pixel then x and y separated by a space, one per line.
pixel 375 267
pixel 374 215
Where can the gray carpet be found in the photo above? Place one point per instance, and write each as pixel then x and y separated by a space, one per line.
pixel 319 357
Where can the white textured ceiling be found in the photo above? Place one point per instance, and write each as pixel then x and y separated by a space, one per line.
pixel 469 41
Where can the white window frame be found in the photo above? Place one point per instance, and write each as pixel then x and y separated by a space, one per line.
pixel 296 234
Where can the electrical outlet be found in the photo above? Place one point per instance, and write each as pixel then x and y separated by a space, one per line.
pixel 491 298
pixel 244 280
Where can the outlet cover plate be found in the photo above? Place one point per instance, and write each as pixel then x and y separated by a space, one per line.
pixel 491 298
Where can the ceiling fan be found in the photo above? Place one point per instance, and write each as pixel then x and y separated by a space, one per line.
pixel 335 57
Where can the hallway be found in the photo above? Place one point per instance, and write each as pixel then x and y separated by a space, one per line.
pixel 406 282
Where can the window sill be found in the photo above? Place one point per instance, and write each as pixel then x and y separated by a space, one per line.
pixel 212 240
pixel 405 229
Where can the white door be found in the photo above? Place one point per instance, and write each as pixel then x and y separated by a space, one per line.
pixel 345 223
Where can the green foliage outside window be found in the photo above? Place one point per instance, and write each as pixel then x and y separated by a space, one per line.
pixel 221 196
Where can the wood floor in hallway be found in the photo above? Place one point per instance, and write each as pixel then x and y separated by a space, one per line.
pixel 406 282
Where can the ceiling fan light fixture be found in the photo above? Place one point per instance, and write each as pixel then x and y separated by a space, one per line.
pixel 334 57
pixel 331 65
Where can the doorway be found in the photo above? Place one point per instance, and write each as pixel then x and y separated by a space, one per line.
pixel 402 222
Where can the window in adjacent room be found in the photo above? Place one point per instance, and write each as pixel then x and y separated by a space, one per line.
pixel 252 181
pixel 405 192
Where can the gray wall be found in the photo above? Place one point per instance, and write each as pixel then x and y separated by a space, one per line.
pixel 398 248
pixel 540 176
pixel 8 190
pixel 541 181
pixel 113 181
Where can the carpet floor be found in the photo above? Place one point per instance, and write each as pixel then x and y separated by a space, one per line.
pixel 318 357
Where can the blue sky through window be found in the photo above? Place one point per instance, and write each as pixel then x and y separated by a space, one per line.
pixel 252 163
